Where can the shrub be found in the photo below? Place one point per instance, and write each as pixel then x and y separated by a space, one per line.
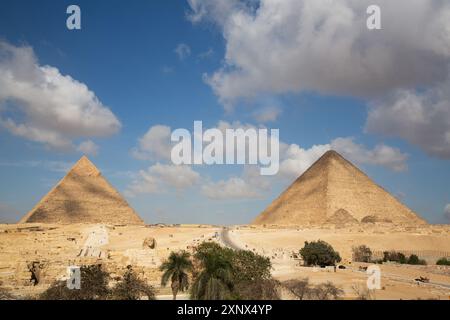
pixel 363 293
pixel 94 286
pixel 326 291
pixel 414 259
pixel 362 253
pixel 223 273
pixel 299 288
pixel 132 288
pixel 319 253
pixel 402 259
pixel 304 291
pixel 265 289
pixel 394 257
pixel 443 262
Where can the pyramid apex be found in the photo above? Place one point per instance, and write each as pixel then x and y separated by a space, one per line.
pixel 84 167
pixel 332 153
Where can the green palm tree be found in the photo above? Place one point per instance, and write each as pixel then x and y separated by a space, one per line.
pixel 214 282
pixel 176 268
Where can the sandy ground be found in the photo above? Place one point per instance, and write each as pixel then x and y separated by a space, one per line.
pixel 397 281
pixel 58 246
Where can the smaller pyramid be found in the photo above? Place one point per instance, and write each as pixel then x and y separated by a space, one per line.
pixel 83 196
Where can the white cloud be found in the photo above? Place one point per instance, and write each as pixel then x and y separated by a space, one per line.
pixel 155 144
pixel 298 45
pixel 267 114
pixel 216 11
pixel 381 154
pixel 183 51
pixel 422 119
pixel 88 147
pixel 161 177
pixel 295 160
pixel 232 188
pixel 447 211
pixel 40 104
pixel 295 46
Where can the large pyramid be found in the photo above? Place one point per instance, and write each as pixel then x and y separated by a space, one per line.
pixel 334 191
pixel 83 196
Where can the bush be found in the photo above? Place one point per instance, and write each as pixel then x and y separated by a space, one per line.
pixel 362 254
pixel 443 262
pixel 414 259
pixel 132 288
pixel 394 257
pixel 299 288
pixel 402 259
pixel 94 286
pixel 302 290
pixel 363 293
pixel 319 253
pixel 326 291
pixel 240 274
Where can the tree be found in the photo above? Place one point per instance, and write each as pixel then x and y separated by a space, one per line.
pixel 132 288
pixel 215 279
pixel 326 291
pixel 94 286
pixel 251 277
pixel 443 262
pixel 319 253
pixel 394 256
pixel 362 253
pixel 299 288
pixel 176 269
pixel 223 273
pixel 414 259
pixel 303 290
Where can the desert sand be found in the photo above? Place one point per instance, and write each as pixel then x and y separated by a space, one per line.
pixel 54 247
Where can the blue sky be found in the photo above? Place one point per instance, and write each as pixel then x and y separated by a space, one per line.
pixel 126 55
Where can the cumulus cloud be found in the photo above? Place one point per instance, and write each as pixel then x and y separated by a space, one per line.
pixel 40 104
pixel 422 118
pixel 88 147
pixel 267 114
pixel 295 46
pixel 295 160
pixel 324 46
pixel 161 177
pixel 183 51
pixel 447 211
pixel 155 144
pixel 380 155
pixel 232 188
